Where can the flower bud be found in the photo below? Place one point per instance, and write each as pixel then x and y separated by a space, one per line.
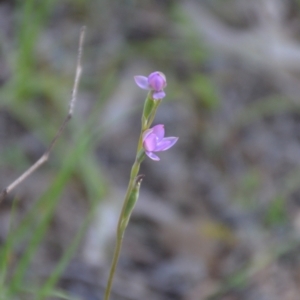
pixel 157 81
pixel 133 197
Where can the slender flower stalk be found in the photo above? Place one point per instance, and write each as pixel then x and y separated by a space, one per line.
pixel 150 140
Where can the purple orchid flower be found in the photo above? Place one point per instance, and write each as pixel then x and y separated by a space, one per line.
pixel 155 82
pixel 154 141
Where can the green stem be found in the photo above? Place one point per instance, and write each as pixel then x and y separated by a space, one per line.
pixel 153 113
pixel 120 229
pixel 113 266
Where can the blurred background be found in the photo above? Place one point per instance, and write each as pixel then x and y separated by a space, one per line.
pixel 219 216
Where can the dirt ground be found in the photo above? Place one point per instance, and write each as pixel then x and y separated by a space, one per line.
pixel 218 217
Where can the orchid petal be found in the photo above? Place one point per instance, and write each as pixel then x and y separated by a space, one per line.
pixel 159 95
pixel 166 143
pixel 147 133
pixel 152 156
pixel 157 81
pixel 150 142
pixel 159 131
pixel 142 82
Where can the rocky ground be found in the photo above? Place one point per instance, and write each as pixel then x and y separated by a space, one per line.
pixel 219 216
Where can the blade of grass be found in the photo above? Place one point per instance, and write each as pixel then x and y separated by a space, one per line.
pixel 32 16
pixel 50 199
pixel 46 289
pixel 4 259
pixel 54 293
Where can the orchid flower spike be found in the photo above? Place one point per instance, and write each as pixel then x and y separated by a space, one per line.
pixel 155 82
pixel 154 141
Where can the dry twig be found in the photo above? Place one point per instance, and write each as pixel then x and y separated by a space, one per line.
pixel 45 156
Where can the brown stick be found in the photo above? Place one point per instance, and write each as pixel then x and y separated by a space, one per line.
pixel 45 156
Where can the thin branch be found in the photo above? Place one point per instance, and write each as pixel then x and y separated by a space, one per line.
pixel 45 156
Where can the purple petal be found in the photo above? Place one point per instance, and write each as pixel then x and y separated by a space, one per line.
pixel 146 133
pixel 159 95
pixel 142 82
pixel 150 142
pixel 166 143
pixel 159 131
pixel 157 81
pixel 152 156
